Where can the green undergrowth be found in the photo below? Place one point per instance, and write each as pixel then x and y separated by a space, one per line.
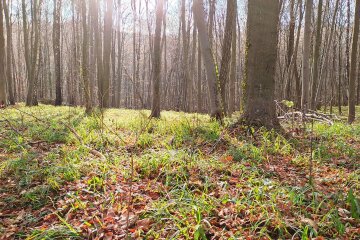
pixel 191 177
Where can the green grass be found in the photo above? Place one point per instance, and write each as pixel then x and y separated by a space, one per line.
pixel 192 178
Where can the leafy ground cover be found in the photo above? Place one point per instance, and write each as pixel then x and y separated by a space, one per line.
pixel 118 175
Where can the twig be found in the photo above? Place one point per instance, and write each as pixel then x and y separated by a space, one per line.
pixel 91 150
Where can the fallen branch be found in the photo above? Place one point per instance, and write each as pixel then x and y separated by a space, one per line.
pixel 312 115
pixel 77 136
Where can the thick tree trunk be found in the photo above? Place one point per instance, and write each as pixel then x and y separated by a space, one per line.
pixel 262 41
pixel 352 77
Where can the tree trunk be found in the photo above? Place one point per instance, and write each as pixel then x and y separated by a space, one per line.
pixel 185 61
pixel 98 49
pixel 9 74
pixel 226 52
pixel 231 88
pixel 316 61
pixel 155 111
pixel 262 40
pixel 306 56
pixel 107 54
pixel 57 51
pixel 290 50
pixel 85 60
pixel 295 72
pixel 352 77
pixel 199 17
pixel 199 79
pixel 3 100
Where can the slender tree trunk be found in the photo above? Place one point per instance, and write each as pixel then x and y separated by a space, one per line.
pixel 306 56
pixel 107 54
pixel 85 60
pixel 295 72
pixel 3 98
pixel 226 52
pixel 199 16
pixel 57 51
pixel 98 50
pixel 199 79
pixel 340 74
pixel 352 77
pixel 316 62
pixel 348 43
pixel 290 49
pixel 134 69
pixel 155 111
pixel 9 74
pixel 185 60
pixel 233 66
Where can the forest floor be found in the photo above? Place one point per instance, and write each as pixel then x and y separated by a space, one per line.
pixel 119 175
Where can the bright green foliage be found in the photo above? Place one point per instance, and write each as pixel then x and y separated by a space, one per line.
pixel 201 178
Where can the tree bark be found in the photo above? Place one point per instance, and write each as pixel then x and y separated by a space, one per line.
pixel 290 49
pixel 306 56
pixel 226 52
pixel 57 51
pixel 3 98
pixel 199 16
pixel 107 54
pixel 9 39
pixel 316 61
pixel 352 77
pixel 155 111
pixel 262 41
pixel 85 60
pixel 231 105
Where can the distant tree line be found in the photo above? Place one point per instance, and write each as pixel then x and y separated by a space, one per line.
pixel 208 56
